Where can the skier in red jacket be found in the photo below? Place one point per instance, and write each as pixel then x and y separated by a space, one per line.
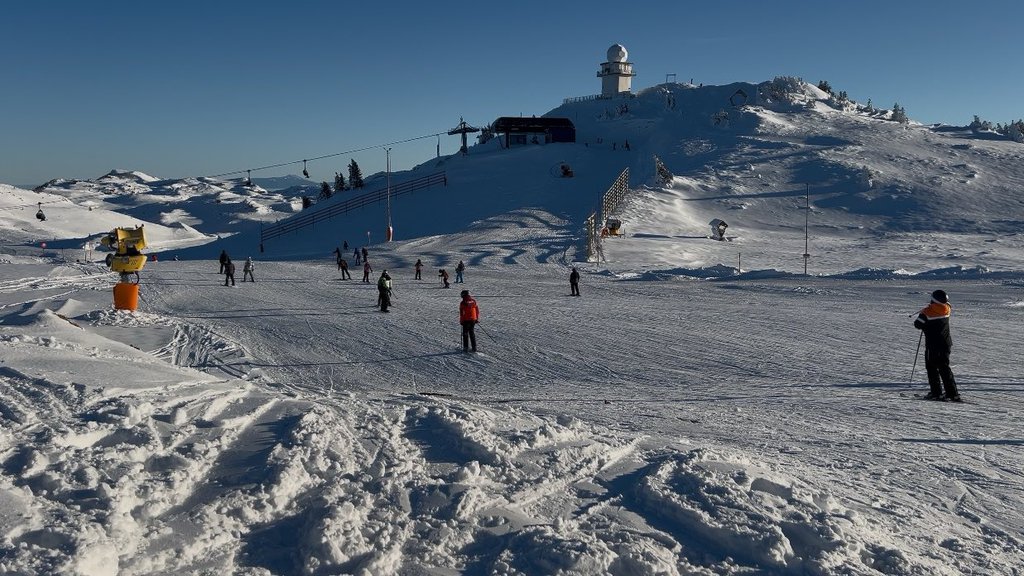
pixel 469 316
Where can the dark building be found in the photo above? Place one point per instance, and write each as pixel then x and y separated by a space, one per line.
pixel 519 131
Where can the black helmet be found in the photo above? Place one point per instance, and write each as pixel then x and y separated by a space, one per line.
pixel 465 293
pixel 940 296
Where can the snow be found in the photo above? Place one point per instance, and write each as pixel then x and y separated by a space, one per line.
pixel 703 408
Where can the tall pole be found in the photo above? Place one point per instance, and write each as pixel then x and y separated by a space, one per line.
pixel 807 215
pixel 389 229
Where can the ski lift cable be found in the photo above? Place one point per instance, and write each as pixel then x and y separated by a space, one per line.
pixel 279 165
pixel 38 204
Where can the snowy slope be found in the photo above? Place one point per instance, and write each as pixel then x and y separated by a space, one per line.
pixel 686 415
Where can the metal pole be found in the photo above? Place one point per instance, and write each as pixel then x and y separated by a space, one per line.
pixel 915 356
pixel 807 215
pixel 388 151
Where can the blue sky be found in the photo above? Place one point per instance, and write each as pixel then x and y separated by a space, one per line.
pixel 191 88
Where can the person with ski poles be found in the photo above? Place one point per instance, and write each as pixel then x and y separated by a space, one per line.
pixel 366 271
pixel 933 321
pixel 469 317
pixel 443 275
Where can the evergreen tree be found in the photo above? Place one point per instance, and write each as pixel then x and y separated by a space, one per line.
pixel 899 114
pixel 355 176
pixel 325 191
pixel 339 182
pixel 306 202
pixel 825 87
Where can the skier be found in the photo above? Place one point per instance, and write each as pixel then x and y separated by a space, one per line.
pixel 247 270
pixel 366 270
pixel 933 320
pixel 443 275
pixel 337 254
pixel 469 317
pixel 419 269
pixel 224 259
pixel 574 281
pixel 355 254
pixel 229 272
pixel 458 272
pixel 345 246
pixel 384 291
pixel 365 253
pixel 343 266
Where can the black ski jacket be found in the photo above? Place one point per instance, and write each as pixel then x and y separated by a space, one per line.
pixel 934 321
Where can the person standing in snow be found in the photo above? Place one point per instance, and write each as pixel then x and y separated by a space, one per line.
pixel 366 270
pixel 355 254
pixel 224 259
pixel 229 272
pixel 384 291
pixel 419 269
pixel 247 270
pixel 458 272
pixel 574 281
pixel 443 275
pixel 933 321
pixel 365 253
pixel 469 317
pixel 343 266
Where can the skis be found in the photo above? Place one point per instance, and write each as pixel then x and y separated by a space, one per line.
pixel 925 397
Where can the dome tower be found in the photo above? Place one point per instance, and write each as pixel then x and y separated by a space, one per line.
pixel 616 74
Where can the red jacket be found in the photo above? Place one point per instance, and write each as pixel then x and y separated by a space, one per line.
pixel 468 310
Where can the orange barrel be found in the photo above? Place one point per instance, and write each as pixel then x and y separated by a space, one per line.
pixel 126 296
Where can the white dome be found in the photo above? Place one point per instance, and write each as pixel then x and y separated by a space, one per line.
pixel 617 53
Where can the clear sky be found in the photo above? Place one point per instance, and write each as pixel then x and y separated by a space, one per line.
pixel 199 87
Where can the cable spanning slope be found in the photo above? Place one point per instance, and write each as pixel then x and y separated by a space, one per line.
pixel 311 217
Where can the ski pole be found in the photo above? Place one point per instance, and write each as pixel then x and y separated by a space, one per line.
pixel 919 338
pixel 486 333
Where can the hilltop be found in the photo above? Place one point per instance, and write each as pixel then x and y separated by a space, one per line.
pixel 741 152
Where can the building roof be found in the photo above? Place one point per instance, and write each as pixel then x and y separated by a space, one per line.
pixel 512 124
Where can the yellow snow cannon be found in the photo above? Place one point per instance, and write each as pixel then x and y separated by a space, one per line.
pixel 127 244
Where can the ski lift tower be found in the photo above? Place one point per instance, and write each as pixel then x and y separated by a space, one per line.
pixel 463 129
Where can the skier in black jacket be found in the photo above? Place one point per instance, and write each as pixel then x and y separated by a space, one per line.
pixel 933 320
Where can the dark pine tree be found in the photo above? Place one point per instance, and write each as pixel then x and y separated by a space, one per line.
pixel 355 176
pixel 325 191
pixel 339 182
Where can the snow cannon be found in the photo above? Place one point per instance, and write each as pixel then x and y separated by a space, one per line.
pixel 612 227
pixel 127 259
pixel 718 227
